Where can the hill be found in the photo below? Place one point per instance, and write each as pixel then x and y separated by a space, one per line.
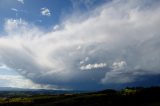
pixel 125 97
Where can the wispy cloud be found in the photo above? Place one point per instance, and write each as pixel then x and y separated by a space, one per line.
pixel 21 1
pixel 121 38
pixel 14 9
pixel 86 3
pixel 45 12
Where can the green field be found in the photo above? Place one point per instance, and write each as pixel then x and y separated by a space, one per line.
pixel 125 97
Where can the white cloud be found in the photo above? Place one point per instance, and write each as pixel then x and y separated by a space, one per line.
pixel 121 30
pixel 56 27
pixel 21 1
pixel 14 9
pixel 2 66
pixel 93 66
pixel 10 78
pixel 17 81
pixel 119 65
pixel 12 25
pixel 45 12
pixel 19 27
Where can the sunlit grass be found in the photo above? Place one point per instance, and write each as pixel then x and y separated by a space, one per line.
pixel 24 100
pixel 128 91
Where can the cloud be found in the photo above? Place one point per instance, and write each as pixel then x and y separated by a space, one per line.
pixel 121 38
pixel 12 24
pixel 86 58
pixel 21 1
pixel 118 74
pixel 56 27
pixel 14 9
pixel 45 12
pixel 18 11
pixel 10 78
pixel 93 66
pixel 19 27
pixel 85 3
pixel 21 82
pixel 119 65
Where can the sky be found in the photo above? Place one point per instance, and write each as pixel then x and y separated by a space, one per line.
pixel 79 44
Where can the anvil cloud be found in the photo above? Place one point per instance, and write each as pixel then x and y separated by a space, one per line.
pixel 120 38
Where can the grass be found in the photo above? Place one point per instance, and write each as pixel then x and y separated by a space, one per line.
pixel 125 97
pixel 128 91
pixel 22 100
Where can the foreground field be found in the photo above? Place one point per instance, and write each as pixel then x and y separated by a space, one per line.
pixel 125 97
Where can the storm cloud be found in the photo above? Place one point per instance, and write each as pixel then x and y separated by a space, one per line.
pixel 117 42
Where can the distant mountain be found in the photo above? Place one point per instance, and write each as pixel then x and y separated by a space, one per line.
pixel 15 89
pixel 10 90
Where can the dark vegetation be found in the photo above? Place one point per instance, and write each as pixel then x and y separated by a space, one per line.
pixel 126 97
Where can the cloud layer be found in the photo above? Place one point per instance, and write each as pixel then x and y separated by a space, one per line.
pixel 119 40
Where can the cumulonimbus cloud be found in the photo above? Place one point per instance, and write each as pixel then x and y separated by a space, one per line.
pixel 122 35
